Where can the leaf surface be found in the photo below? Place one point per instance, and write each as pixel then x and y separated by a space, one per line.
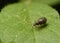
pixel 16 24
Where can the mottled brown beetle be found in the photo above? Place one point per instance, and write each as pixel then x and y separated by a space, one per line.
pixel 40 21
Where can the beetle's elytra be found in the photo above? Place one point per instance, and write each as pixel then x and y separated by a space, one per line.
pixel 40 21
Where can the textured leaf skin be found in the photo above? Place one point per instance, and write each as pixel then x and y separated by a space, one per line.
pixel 16 24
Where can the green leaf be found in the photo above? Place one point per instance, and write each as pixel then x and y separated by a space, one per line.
pixel 16 24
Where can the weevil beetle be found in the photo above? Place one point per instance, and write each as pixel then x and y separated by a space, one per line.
pixel 40 21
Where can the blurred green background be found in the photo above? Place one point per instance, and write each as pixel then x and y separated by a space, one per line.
pixel 54 3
